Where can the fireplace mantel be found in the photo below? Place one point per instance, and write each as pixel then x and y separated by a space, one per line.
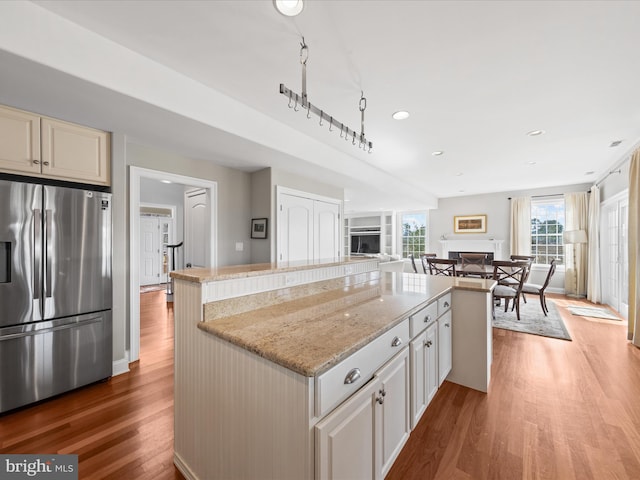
pixel 473 245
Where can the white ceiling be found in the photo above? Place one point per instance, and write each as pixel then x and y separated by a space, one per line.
pixel 476 77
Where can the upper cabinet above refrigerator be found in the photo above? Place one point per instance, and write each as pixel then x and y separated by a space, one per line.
pixel 39 146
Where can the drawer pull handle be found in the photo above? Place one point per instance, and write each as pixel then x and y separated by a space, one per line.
pixel 352 376
pixel 446 304
pixel 427 318
pixel 397 341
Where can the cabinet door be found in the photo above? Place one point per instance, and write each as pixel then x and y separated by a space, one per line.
pixel 444 346
pixel 431 358
pixel 73 152
pixel 19 141
pixel 418 378
pixel 395 422
pixel 346 440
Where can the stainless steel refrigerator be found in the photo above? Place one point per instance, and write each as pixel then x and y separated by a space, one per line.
pixel 55 290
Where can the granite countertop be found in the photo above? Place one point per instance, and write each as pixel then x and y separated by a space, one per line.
pixel 204 275
pixel 311 334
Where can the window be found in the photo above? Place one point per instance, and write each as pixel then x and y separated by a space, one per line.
pixel 414 234
pixel 547 225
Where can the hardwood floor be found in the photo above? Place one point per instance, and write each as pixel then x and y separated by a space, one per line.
pixel 555 410
pixel 121 428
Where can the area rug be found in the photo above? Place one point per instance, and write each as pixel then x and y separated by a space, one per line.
pixel 532 320
pixel 593 312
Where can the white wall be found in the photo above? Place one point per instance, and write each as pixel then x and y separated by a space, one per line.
pixel 261 207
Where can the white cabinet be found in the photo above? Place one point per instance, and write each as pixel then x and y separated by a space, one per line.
pixel 363 436
pixel 369 225
pixel 45 147
pixel 19 141
pixel 444 346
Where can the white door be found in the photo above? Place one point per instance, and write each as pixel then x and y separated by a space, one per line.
pixel 196 228
pixel 326 230
pixel 614 254
pixel 150 255
pixel 295 228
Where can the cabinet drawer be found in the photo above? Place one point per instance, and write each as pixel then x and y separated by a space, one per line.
pixel 444 303
pixel 342 380
pixel 423 318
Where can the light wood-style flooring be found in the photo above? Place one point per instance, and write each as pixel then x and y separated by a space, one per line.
pixel 555 410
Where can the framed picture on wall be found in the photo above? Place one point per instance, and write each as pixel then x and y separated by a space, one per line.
pixel 258 228
pixel 470 224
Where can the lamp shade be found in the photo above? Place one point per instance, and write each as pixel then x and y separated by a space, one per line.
pixel 574 236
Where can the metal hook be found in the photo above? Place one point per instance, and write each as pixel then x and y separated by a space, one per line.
pixel 295 107
pixel 289 104
pixel 346 134
pixel 354 139
pixel 370 147
pixel 308 109
pixel 331 124
pixel 321 113
pixel 341 129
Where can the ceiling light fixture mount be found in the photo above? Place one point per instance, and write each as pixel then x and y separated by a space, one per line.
pixel 400 115
pixel 289 8
pixel 303 101
pixel 535 133
pixel 437 153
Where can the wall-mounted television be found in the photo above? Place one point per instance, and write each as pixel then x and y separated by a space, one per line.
pixel 365 243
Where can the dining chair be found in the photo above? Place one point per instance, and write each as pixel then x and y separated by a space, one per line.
pixel 515 272
pixel 423 260
pixel 473 261
pixel 442 266
pixel 413 263
pixel 534 289
pixel 524 258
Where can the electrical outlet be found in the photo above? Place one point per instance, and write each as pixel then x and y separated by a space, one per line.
pixel 239 246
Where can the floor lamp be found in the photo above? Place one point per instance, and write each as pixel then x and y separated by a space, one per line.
pixel 575 238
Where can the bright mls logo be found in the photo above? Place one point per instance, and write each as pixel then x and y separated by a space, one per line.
pixel 58 467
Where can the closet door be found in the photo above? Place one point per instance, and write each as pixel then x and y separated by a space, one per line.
pixel 614 253
pixel 295 228
pixel 149 250
pixel 327 230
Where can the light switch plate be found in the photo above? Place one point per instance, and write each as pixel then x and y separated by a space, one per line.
pixel 239 246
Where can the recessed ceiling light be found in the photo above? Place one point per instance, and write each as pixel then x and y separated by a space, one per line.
pixel 535 133
pixel 400 115
pixel 459 174
pixel 437 153
pixel 289 8
pixel 166 181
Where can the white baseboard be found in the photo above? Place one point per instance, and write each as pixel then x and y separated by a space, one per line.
pixel 559 291
pixel 120 366
pixel 184 470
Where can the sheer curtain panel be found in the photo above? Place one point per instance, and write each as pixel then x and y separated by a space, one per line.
pixel 576 218
pixel 634 248
pixel 594 287
pixel 521 226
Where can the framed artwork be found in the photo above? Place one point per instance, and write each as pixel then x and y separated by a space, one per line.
pixel 258 228
pixel 470 224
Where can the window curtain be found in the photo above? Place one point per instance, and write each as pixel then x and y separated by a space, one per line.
pixel 521 226
pixel 594 287
pixel 634 249
pixel 576 218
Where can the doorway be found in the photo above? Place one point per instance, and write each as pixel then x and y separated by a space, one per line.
pixel 136 175
pixel 615 253
pixel 157 231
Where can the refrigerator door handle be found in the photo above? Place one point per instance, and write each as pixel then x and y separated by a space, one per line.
pixel 48 255
pixel 37 253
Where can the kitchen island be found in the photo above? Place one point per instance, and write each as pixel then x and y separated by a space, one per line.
pixel 265 369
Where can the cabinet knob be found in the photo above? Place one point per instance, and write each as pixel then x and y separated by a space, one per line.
pixel 397 341
pixel 352 376
pixel 382 392
pixel 446 304
pixel 428 343
pixel 380 400
pixel 446 325
pixel 36 162
pixel 427 318
pixel 45 164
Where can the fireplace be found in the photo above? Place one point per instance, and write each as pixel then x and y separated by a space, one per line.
pixel 455 255
pixel 473 246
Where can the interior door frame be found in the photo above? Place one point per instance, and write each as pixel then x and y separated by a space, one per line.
pixel 135 174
